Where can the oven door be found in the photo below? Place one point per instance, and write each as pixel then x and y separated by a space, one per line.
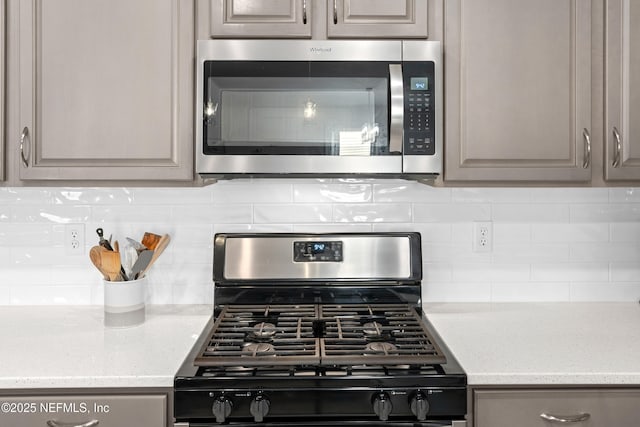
pixel 297 113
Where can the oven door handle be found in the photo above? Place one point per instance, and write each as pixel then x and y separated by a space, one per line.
pixel 396 91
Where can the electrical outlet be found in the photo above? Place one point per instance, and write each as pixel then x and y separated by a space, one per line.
pixel 482 236
pixel 74 239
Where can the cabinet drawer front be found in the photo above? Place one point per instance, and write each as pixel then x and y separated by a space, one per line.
pixel 522 408
pixel 109 410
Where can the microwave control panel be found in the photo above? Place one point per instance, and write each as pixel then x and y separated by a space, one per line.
pixel 419 108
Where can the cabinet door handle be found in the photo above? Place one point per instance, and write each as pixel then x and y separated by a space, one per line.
pixel 565 419
pixel 617 148
pixel 587 149
pixel 23 137
pixel 92 423
pixel 304 12
pixel 335 11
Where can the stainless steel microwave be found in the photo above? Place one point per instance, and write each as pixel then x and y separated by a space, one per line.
pixel 319 108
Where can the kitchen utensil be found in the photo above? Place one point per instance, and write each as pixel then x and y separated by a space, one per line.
pixel 150 240
pixel 137 245
pixel 160 247
pixel 110 262
pixel 141 263
pixel 96 259
pixel 105 244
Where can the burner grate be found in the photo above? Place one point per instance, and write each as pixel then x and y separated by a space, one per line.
pixel 329 335
pixel 376 334
pixel 250 335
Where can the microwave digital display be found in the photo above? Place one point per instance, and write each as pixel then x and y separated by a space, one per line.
pixel 419 83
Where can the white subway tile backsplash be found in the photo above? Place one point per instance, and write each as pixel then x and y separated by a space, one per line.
pixel 521 292
pixel 581 232
pixel 624 195
pixel 625 271
pixel 373 213
pixel 261 191
pixel 530 213
pixel 127 214
pixel 58 214
pixel 605 251
pixel 456 292
pixel 569 195
pixel 408 191
pixel 94 196
pixel 332 192
pixel 625 232
pixel 605 291
pixel 451 212
pixel 617 212
pixel 549 244
pixel 292 214
pixel 491 195
pixel 570 272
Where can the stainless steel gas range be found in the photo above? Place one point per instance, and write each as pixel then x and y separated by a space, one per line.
pixel 318 330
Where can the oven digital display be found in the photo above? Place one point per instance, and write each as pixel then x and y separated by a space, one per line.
pixel 315 251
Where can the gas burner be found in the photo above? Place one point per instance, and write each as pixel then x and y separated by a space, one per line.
pixel 263 330
pixel 380 347
pixel 372 328
pixel 258 349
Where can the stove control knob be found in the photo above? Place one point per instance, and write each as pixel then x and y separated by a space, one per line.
pixel 221 408
pixel 259 408
pixel 419 406
pixel 382 405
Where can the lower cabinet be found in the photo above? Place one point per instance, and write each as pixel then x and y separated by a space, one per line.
pixel 109 410
pixel 548 407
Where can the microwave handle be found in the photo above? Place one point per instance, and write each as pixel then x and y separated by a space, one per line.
pixel 396 90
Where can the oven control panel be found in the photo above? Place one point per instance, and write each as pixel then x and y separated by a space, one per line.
pixel 317 251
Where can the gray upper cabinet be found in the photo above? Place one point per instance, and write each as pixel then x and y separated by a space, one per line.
pixel 318 18
pixel 622 127
pixel 265 18
pixel 377 18
pixel 518 90
pixel 105 89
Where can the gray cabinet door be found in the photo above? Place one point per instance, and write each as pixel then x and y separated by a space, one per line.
pixel 264 18
pixel 525 408
pixel 107 410
pixel 106 89
pixel 377 18
pixel 2 86
pixel 622 137
pixel 517 90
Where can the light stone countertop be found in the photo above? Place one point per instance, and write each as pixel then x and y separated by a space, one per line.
pixel 68 346
pixel 496 344
pixel 542 343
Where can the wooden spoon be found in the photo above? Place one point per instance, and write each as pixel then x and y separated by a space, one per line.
pixel 160 247
pixel 96 259
pixel 150 240
pixel 110 262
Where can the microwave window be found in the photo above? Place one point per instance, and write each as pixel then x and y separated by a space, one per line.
pixel 325 116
